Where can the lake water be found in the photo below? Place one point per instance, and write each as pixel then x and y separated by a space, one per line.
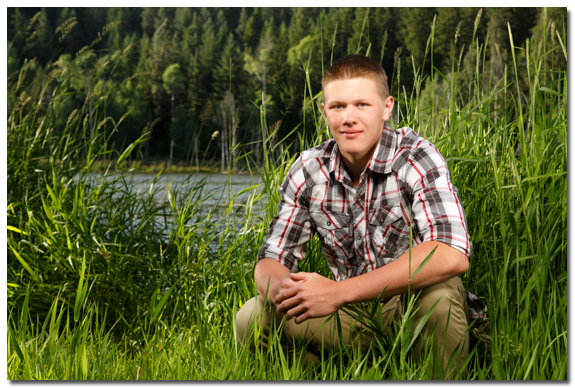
pixel 214 191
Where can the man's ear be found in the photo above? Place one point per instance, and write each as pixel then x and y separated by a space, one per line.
pixel 323 110
pixel 388 107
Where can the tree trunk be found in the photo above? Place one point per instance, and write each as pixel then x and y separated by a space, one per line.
pixel 197 151
pixel 223 140
pixel 233 134
pixel 171 134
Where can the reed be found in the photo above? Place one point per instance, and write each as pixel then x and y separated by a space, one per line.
pixel 105 282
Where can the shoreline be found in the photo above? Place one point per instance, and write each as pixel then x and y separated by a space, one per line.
pixel 155 167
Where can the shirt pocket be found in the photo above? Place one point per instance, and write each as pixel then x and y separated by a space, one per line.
pixel 389 232
pixel 333 229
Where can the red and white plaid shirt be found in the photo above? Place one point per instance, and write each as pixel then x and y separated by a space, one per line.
pixel 405 184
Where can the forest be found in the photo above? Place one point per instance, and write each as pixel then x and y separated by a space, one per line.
pixel 198 79
pixel 111 278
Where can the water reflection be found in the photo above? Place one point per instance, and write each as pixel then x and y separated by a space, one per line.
pixel 213 192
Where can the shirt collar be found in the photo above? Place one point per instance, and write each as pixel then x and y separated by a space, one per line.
pixel 336 168
pixel 383 156
pixel 381 160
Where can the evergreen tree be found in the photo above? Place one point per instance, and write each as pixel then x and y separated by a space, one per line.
pixel 359 40
pixel 182 19
pixel 256 65
pixel 173 83
pixel 250 32
pixel 300 26
pixel 148 21
pixel 223 30
pixel 243 19
pixel 415 29
pixel 344 32
pixel 197 103
pixel 449 20
pixel 44 32
pixel 227 70
pixel 383 26
pixel 160 56
pixel 207 56
pixel 191 37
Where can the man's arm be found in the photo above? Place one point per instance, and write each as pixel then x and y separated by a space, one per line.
pixel 446 263
pixel 316 296
pixel 269 274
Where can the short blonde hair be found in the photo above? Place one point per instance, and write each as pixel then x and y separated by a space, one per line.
pixel 356 66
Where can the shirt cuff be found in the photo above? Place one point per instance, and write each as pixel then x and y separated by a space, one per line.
pixel 286 258
pixel 467 251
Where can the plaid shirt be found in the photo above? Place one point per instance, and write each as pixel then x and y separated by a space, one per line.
pixel 406 184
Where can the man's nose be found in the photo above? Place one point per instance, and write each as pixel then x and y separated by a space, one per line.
pixel 349 116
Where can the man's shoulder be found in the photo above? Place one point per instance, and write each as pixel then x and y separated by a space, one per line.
pixel 410 145
pixel 312 167
pixel 409 140
pixel 323 152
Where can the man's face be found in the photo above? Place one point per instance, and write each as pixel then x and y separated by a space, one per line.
pixel 355 114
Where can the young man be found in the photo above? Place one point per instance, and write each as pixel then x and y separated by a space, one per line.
pixel 361 192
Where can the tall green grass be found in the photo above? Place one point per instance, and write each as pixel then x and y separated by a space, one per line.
pixel 107 283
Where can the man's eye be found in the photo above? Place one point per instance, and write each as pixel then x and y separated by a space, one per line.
pixel 338 106
pixel 361 104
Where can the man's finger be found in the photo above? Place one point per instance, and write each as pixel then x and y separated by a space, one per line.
pixel 300 276
pixel 285 293
pixel 288 283
pixel 287 304
pixel 301 318
pixel 295 312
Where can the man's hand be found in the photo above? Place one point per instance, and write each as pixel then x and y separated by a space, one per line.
pixel 307 295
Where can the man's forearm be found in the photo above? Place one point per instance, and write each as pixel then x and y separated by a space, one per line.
pixel 268 275
pixel 446 262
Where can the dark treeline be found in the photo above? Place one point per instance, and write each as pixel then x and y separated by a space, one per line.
pixel 199 77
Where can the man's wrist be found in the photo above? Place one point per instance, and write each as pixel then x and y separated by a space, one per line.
pixel 343 292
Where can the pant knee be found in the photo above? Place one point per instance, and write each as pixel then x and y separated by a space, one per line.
pixel 253 308
pixel 448 305
pixel 447 323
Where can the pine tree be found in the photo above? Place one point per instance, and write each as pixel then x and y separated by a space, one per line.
pixel 160 57
pixel 359 40
pixel 173 82
pixel 300 26
pixel 414 30
pixel 44 33
pixel 250 32
pixel 227 69
pixel 148 21
pixel 449 20
pixel 207 56
pixel 223 30
pixel 197 103
pixel 243 18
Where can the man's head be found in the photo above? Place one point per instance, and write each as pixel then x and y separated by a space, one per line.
pixel 357 66
pixel 356 105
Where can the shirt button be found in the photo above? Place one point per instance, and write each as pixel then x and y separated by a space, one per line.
pixel 382 219
pixel 358 237
pixel 328 223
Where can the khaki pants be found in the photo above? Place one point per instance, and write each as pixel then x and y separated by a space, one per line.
pixel 447 324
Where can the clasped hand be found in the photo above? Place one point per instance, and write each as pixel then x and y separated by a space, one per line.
pixel 307 295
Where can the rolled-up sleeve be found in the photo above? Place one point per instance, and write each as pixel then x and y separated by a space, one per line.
pixel 436 209
pixel 291 228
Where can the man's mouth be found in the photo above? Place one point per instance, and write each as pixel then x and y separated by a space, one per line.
pixel 351 134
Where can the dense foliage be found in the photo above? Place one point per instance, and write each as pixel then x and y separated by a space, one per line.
pixel 106 281
pixel 197 76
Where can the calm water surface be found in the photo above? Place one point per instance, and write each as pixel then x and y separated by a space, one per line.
pixel 214 191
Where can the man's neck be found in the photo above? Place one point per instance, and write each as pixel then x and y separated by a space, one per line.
pixel 355 168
